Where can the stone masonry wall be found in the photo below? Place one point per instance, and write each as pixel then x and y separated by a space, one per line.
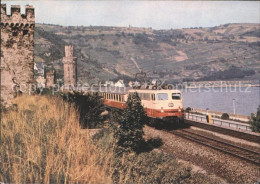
pixel 70 67
pixel 17 47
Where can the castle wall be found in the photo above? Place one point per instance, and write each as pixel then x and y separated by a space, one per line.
pixel 70 67
pixel 17 47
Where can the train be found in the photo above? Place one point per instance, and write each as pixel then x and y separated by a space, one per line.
pixel 161 104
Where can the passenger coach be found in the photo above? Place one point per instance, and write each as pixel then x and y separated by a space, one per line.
pixel 162 104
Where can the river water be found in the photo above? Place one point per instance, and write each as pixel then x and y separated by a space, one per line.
pixel 246 99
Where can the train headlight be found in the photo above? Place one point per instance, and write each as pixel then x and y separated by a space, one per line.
pixel 162 109
pixel 170 104
pixel 179 109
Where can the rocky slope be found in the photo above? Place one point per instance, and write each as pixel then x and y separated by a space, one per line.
pixel 190 54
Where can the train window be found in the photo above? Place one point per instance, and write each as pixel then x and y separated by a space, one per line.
pixel 146 96
pixel 162 96
pixel 176 96
pixel 153 97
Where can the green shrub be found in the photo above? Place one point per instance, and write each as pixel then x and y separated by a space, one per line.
pixel 129 133
pixel 255 121
pixel 90 107
pixel 115 42
pixel 225 116
pixel 188 109
pixel 154 142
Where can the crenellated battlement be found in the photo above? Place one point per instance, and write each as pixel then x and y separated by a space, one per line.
pixel 17 52
pixel 16 19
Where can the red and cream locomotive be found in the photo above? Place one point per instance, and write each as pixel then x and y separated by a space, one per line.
pixel 162 104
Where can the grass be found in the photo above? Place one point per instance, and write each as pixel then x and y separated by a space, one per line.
pixel 42 142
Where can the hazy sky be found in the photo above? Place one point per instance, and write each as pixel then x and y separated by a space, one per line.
pixel 155 14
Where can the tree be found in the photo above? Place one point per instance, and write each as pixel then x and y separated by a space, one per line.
pixel 255 121
pixel 129 133
pixel 225 116
pixel 90 107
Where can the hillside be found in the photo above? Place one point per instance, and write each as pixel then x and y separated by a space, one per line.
pixel 190 54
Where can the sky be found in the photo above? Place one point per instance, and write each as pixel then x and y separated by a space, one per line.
pixel 154 14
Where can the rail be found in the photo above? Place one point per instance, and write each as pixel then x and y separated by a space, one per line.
pixel 219 122
pixel 240 152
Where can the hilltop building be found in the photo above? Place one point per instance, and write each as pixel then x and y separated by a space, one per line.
pixel 70 67
pixel 50 78
pixel 120 83
pixel 41 81
pixel 17 48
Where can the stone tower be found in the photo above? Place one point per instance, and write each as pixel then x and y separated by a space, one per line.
pixel 50 79
pixel 70 67
pixel 17 47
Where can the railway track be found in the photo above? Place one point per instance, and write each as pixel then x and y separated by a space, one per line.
pixel 237 151
pixel 223 130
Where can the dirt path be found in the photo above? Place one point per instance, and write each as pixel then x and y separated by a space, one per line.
pixel 136 64
pixel 181 56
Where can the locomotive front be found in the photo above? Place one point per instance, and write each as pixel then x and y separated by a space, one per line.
pixel 162 104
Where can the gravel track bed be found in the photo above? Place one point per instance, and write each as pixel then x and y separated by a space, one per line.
pixel 227 140
pixel 253 145
pixel 231 169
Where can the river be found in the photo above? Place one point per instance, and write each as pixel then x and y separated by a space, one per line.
pixel 246 99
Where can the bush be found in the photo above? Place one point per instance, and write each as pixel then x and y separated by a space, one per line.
pixel 115 42
pixel 154 143
pixel 41 142
pixel 90 107
pixel 255 121
pixel 188 109
pixel 225 116
pixel 129 133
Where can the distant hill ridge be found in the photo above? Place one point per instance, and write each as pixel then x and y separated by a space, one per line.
pixel 177 54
